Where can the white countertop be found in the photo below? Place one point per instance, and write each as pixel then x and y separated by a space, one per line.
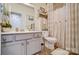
pixel 20 32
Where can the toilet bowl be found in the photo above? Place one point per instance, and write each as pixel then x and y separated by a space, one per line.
pixel 49 41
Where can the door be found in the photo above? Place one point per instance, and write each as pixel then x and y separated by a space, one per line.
pixel 33 46
pixel 14 48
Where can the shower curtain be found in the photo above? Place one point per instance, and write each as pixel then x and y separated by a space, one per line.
pixel 63 24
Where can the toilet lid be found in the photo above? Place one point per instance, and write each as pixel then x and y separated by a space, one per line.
pixel 51 39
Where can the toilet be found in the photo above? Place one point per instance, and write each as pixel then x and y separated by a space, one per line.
pixel 49 41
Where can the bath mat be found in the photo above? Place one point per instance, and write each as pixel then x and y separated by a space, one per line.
pixel 60 51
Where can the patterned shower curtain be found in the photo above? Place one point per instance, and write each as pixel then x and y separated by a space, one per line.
pixel 74 28
pixel 63 24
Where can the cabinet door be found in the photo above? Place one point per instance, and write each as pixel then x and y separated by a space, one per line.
pixel 33 46
pixel 14 48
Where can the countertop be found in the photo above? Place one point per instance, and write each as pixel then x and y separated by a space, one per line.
pixel 23 32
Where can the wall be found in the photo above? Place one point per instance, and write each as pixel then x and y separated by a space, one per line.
pixel 38 19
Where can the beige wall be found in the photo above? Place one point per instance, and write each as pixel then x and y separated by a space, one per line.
pixel 38 19
pixel 38 5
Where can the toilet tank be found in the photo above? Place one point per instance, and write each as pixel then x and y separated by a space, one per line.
pixel 45 33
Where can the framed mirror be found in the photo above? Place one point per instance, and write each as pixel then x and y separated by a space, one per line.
pixel 16 20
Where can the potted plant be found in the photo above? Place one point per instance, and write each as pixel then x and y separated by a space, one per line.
pixel 6 26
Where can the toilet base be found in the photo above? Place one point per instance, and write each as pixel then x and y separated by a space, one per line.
pixel 49 46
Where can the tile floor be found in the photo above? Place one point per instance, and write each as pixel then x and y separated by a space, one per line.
pixel 47 51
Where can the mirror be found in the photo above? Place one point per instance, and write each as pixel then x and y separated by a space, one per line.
pixel 18 16
pixel 16 20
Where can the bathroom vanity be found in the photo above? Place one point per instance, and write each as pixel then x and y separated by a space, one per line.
pixel 21 43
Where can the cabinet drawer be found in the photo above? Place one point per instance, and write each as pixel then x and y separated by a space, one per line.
pixel 6 38
pixel 37 35
pixel 23 36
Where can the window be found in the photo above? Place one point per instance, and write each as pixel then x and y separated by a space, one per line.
pixel 15 19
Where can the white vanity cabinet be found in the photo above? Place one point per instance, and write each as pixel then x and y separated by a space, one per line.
pixel 14 48
pixel 21 43
pixel 10 46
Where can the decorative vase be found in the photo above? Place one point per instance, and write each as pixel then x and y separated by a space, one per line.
pixel 6 29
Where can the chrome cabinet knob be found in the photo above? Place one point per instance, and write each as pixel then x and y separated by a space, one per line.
pixel 4 39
